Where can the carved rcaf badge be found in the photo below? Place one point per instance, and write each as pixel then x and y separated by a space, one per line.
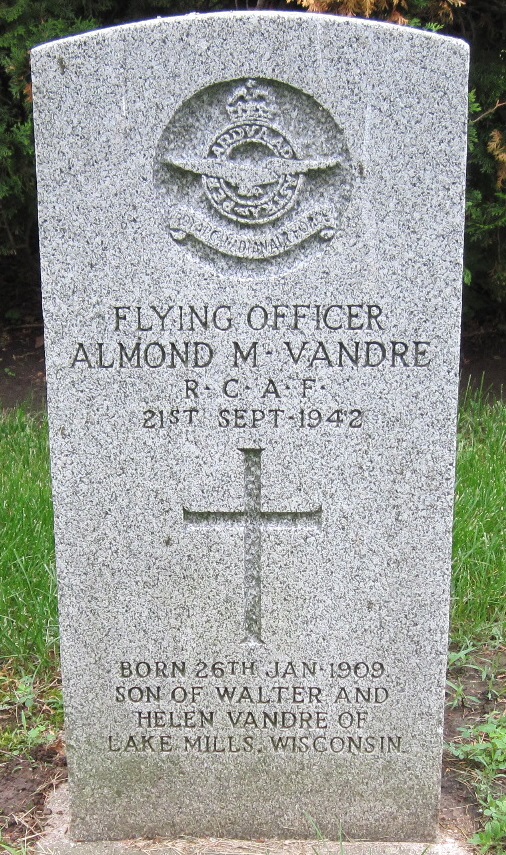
pixel 254 170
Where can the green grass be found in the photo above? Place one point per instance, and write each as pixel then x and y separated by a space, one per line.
pixel 479 554
pixel 483 747
pixel 31 712
pixel 28 611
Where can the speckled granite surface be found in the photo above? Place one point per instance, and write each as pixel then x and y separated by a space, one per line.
pixel 251 235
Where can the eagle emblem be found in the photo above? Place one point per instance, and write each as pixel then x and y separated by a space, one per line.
pixel 259 185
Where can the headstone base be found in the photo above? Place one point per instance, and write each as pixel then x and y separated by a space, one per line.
pixel 55 841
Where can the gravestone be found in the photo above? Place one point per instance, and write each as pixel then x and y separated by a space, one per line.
pixel 251 236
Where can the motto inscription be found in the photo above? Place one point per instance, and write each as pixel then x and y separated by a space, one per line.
pixel 253 170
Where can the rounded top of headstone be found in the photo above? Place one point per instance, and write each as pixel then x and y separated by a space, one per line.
pixel 258 19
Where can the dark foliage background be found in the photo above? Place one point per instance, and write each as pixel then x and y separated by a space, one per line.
pixel 25 23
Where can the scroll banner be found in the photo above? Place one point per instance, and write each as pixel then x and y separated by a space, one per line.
pixel 184 222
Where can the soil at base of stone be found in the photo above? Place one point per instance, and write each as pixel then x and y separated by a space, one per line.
pixel 24 785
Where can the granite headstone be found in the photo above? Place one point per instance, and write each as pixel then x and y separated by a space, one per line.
pixel 251 239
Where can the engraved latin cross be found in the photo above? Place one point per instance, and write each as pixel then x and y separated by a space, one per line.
pixel 254 519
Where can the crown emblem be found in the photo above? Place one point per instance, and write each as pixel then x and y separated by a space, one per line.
pixel 251 102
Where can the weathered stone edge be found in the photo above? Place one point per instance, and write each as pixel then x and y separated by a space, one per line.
pixel 55 841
